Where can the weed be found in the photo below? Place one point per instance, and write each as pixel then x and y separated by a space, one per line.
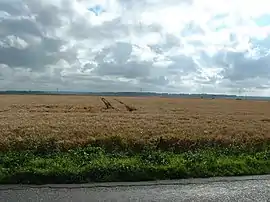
pixel 88 164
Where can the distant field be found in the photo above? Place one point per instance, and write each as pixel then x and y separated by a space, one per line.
pixel 28 121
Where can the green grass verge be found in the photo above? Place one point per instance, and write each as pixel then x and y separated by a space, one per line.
pixel 94 164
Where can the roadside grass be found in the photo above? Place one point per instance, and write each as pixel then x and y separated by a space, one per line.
pixel 95 164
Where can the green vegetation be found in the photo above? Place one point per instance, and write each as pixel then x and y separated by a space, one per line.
pixel 95 164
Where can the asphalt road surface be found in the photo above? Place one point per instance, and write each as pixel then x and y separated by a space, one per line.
pixel 221 189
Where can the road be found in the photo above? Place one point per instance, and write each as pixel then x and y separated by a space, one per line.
pixel 256 188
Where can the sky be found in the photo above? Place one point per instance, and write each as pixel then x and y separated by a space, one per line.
pixel 177 46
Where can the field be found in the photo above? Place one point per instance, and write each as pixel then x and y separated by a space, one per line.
pixel 70 121
pixel 81 139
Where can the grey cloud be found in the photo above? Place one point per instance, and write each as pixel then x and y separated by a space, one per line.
pixel 114 29
pixel 262 46
pixel 120 66
pixel 49 16
pixel 5 71
pixel 19 27
pixel 238 67
pixel 42 49
pixel 35 57
pixel 199 79
pixel 129 4
pixel 182 65
pixel 158 81
pixel 109 30
pixel 97 83
pixel 120 52
pixel 14 8
pixel 87 66
pixel 170 42
pixel 192 28
pixel 42 54
pixel 247 85
pixel 219 59
pixel 128 70
pixel 50 44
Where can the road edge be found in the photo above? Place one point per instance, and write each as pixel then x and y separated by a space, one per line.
pixel 142 183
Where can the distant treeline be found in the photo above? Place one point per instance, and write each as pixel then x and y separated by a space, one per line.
pixel 130 94
pixel 134 94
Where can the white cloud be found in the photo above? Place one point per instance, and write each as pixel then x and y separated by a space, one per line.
pixel 115 45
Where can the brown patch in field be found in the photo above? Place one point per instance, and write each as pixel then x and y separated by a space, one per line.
pixel 129 108
pixel 50 108
pixel 266 120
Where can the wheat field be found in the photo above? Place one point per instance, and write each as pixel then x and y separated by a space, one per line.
pixel 27 120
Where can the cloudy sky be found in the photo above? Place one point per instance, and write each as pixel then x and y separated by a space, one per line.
pixel 185 46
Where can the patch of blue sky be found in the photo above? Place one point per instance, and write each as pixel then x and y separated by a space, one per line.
pixel 221 16
pixel 263 20
pixel 218 21
pixel 221 27
pixel 97 9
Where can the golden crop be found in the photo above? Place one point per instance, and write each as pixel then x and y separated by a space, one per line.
pixel 27 121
